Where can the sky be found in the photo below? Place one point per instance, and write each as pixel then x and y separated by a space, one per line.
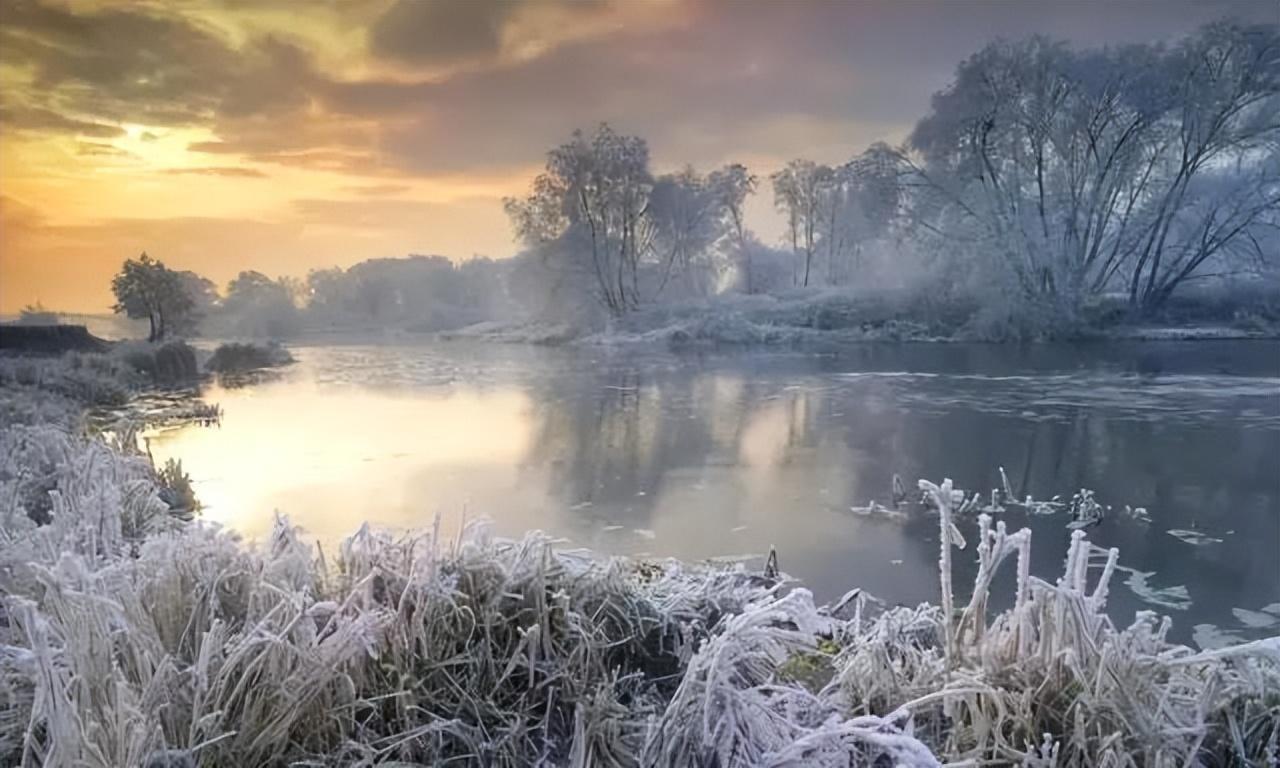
pixel 287 135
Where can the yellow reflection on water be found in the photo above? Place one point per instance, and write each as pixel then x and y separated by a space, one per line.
pixel 330 463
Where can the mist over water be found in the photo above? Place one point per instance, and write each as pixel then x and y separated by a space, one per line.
pixel 726 455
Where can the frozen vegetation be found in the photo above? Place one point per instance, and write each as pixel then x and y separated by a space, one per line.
pixel 129 636
pixel 89 379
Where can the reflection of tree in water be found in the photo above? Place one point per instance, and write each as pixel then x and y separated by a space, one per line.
pixel 787 449
pixel 601 436
pixel 609 438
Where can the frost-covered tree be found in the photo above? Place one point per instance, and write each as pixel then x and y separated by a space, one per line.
pixel 418 292
pixel 1085 171
pixel 730 187
pixel 601 222
pixel 691 216
pixel 592 203
pixel 329 295
pixel 797 194
pixel 833 212
pixel 1217 157
pixel 257 305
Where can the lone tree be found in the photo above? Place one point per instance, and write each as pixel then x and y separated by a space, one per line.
pixel 147 288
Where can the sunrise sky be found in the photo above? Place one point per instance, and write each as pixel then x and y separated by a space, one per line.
pixel 283 135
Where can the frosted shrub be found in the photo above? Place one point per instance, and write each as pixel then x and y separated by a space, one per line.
pixel 1052 675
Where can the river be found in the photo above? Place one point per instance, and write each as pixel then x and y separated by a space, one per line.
pixel 727 454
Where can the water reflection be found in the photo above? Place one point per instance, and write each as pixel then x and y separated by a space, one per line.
pixel 697 458
pixel 331 458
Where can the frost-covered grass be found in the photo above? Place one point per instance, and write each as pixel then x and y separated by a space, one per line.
pixel 928 311
pixel 89 378
pixel 514 333
pixel 795 317
pixel 131 638
pixel 92 379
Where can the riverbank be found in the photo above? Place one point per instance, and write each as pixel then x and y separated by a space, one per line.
pixel 816 318
pixel 52 339
pixel 488 651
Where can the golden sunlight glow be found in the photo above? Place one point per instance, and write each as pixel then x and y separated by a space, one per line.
pixel 395 442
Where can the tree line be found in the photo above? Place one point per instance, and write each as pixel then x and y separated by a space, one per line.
pixel 1060 174
pixel 429 292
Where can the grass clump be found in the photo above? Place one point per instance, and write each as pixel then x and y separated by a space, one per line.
pixel 236 357
pixel 176 489
pixel 163 364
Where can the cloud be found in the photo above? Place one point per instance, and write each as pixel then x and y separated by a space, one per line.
pixel 143 64
pixel 705 81
pixel 440 31
pixel 446 34
pixel 221 170
pixel 118 64
pixel 377 190
pixel 93 149
pixel 23 118
pixel 368 215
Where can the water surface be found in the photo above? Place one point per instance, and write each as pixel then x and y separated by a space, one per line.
pixel 728 454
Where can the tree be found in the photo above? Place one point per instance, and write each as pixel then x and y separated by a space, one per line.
pixel 260 306
pixel 147 288
pixel 1224 112
pixel 590 208
pixel 797 192
pixel 204 300
pixel 1038 158
pixel 687 218
pixel 879 174
pixel 329 293
pixel 730 187
pixel 1086 169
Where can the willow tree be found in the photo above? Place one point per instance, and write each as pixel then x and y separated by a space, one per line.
pixel 1085 171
